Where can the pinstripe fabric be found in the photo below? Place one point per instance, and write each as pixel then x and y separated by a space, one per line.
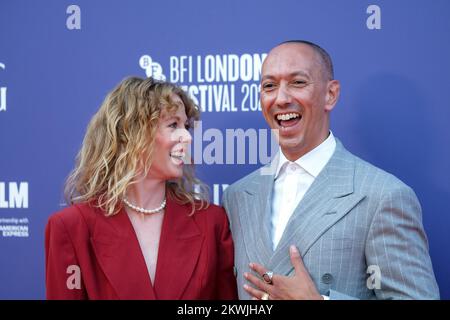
pixel 353 216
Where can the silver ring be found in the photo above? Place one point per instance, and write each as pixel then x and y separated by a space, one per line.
pixel 265 296
pixel 267 277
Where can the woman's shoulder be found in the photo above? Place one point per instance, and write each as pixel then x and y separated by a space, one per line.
pixel 72 226
pixel 216 209
pixel 76 214
pixel 213 213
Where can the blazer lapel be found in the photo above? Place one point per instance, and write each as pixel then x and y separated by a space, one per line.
pixel 120 257
pixel 330 197
pixel 255 216
pixel 179 250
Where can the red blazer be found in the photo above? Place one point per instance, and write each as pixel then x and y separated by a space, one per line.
pixel 195 257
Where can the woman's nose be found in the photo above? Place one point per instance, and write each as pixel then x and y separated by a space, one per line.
pixel 182 136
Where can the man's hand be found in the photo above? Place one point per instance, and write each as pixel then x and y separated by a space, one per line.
pixel 298 287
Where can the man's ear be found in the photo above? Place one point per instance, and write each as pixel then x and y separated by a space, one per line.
pixel 333 91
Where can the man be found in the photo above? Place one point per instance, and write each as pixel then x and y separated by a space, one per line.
pixel 318 222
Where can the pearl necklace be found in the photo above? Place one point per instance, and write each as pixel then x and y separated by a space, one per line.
pixel 142 210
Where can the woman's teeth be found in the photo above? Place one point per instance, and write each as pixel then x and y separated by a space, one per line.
pixel 179 156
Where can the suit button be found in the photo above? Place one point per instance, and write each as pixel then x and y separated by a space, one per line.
pixel 327 278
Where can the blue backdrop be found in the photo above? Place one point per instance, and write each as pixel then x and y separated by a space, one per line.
pixel 58 61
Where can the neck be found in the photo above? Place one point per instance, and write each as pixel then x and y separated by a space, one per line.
pixel 147 193
pixel 293 154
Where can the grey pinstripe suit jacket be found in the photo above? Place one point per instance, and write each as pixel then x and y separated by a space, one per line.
pixel 353 216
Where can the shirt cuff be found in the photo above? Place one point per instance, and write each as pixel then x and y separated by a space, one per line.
pixel 325 297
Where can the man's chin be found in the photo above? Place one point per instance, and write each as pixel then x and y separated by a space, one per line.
pixel 292 147
pixel 293 142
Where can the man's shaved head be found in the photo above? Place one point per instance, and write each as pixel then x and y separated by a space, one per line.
pixel 324 57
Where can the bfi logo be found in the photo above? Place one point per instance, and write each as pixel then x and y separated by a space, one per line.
pixel 2 91
pixel 15 196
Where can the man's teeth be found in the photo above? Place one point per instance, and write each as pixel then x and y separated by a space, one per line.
pixel 287 116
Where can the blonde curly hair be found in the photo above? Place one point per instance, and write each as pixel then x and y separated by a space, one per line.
pixel 119 136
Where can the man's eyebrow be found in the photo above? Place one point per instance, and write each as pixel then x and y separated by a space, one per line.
pixel 292 74
pixel 267 77
pixel 299 73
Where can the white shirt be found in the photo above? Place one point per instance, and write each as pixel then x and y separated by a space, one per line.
pixel 292 180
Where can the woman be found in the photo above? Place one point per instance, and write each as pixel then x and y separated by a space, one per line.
pixel 137 228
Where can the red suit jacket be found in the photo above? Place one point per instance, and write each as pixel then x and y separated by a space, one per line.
pixel 195 257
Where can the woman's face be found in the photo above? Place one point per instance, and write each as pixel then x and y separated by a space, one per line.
pixel 171 143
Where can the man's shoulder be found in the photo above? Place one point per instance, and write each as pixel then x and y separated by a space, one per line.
pixel 370 176
pixel 243 183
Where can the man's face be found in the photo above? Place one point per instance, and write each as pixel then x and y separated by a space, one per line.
pixel 296 98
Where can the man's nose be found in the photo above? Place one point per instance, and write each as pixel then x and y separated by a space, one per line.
pixel 283 97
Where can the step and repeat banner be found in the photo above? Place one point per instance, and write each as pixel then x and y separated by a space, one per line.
pixel 58 60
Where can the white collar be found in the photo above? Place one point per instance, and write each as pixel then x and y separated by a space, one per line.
pixel 315 160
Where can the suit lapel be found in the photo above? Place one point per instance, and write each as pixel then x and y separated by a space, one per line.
pixel 119 255
pixel 255 216
pixel 330 197
pixel 179 250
